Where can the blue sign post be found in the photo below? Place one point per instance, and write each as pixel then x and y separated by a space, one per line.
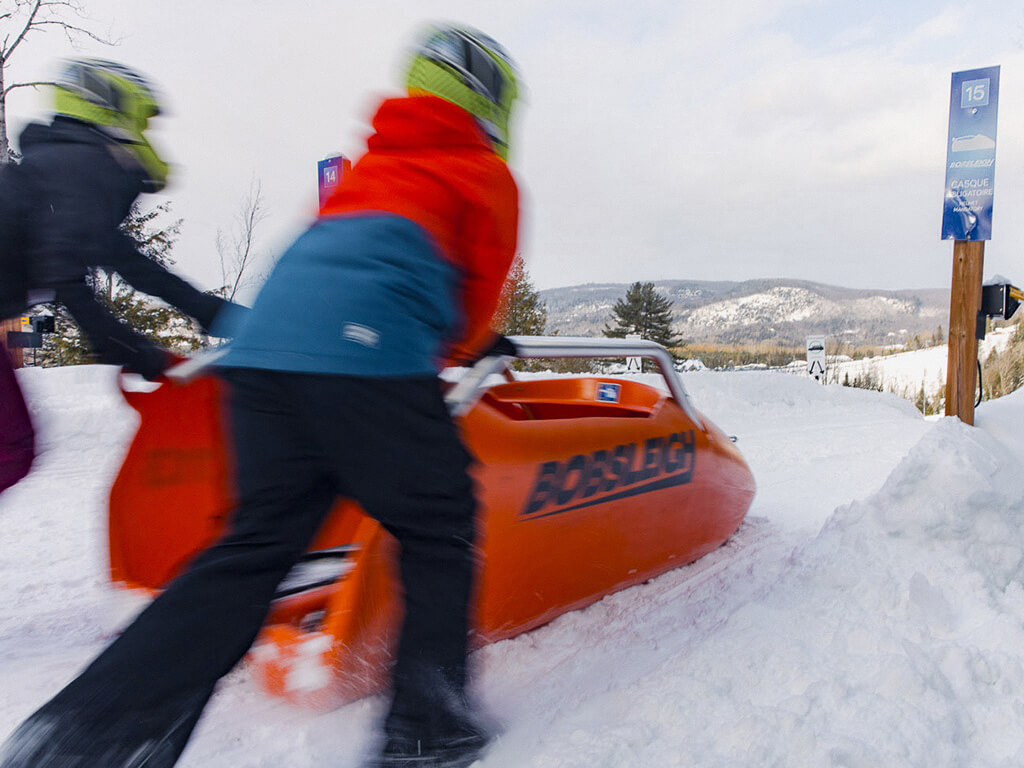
pixel 971 155
pixel 330 170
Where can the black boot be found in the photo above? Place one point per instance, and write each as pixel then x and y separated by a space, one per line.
pixel 408 752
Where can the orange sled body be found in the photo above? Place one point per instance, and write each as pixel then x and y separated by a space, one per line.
pixel 587 486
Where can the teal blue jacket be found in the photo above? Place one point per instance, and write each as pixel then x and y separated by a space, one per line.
pixel 359 295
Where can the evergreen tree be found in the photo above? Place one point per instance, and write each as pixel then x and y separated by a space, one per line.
pixel 160 323
pixel 66 346
pixel 921 401
pixel 643 311
pixel 1003 373
pixel 521 311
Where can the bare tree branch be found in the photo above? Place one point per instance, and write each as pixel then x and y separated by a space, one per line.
pixel 236 257
pixel 55 9
pixel 10 88
pixel 36 15
pixel 70 30
pixel 24 30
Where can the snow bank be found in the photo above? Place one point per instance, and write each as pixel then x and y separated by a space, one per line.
pixel 894 637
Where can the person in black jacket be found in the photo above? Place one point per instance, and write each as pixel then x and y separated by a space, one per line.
pixel 61 209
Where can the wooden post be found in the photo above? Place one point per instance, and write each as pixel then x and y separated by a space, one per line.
pixel 16 355
pixel 964 305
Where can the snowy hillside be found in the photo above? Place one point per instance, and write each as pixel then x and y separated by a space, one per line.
pixel 905 373
pixel 784 304
pixel 780 311
pixel 869 613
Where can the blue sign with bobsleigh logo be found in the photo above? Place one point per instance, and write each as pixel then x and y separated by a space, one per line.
pixel 971 155
pixel 608 392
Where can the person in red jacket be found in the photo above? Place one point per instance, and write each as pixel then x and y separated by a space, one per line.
pixel 402 271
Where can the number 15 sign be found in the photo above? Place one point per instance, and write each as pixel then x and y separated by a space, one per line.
pixel 971 155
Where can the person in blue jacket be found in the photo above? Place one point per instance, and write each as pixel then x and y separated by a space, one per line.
pixel 401 272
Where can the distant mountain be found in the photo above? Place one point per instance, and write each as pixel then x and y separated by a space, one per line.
pixel 775 310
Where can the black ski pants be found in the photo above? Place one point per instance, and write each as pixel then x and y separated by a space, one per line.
pixel 300 440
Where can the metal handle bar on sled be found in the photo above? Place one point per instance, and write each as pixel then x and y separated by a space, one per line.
pixel 463 396
pixel 186 370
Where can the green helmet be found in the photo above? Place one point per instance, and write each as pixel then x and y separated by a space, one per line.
pixel 118 100
pixel 471 70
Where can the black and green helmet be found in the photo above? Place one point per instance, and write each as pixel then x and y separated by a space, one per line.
pixel 468 68
pixel 118 100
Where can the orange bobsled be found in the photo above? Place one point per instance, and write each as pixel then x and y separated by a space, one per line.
pixel 587 485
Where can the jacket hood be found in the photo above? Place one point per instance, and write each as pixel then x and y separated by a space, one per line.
pixel 137 158
pixel 417 121
pixel 62 130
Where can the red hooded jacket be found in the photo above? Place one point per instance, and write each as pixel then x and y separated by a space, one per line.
pixel 429 162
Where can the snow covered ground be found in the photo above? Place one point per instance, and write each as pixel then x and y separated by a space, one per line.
pixel 869 613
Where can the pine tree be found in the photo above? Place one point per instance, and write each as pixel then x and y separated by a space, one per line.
pixel 160 323
pixel 643 311
pixel 521 312
pixel 66 346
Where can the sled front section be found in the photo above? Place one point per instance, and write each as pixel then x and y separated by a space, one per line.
pixel 589 486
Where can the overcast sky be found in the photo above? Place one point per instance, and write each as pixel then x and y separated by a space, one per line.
pixel 660 139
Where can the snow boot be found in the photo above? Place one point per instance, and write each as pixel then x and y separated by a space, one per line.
pixel 404 752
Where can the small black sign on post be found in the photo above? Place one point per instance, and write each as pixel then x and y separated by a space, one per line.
pixel 24 339
pixel 43 324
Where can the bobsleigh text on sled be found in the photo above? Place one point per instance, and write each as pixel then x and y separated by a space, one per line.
pixel 587 485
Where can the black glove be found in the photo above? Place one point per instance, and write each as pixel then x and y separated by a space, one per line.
pixel 150 362
pixel 502 345
pixel 222 317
